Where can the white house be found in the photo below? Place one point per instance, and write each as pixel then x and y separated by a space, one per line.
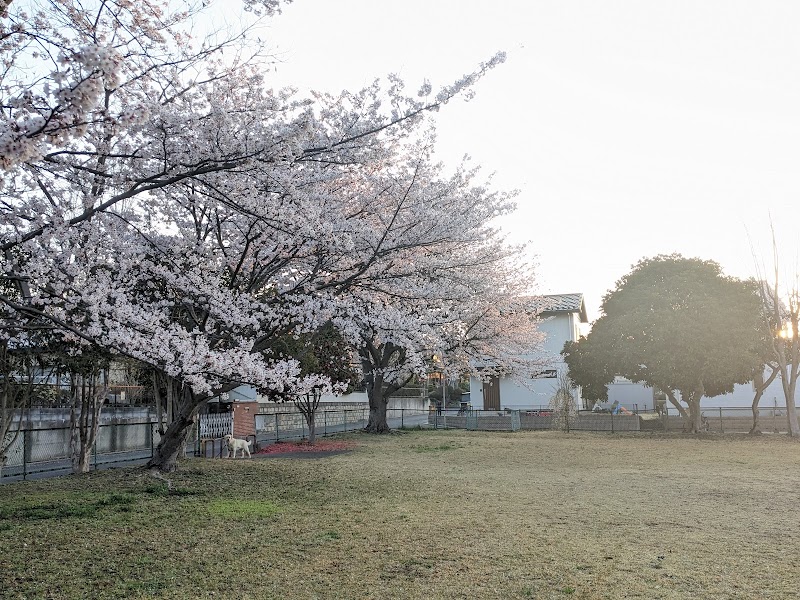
pixel 637 396
pixel 561 322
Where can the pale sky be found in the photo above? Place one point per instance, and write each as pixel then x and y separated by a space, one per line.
pixel 631 128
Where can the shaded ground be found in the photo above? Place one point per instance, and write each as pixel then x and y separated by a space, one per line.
pixel 319 449
pixel 429 514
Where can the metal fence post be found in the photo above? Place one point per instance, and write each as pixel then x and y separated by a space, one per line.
pixel 612 421
pixel 721 426
pixel 25 449
pixel 276 427
pixel 402 418
pixel 325 423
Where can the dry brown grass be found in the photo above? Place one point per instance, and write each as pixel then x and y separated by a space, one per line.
pixel 424 515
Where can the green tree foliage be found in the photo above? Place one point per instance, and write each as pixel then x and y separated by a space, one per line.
pixel 323 352
pixel 679 325
pixel 588 370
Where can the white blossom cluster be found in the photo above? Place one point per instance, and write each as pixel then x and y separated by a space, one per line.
pixel 173 208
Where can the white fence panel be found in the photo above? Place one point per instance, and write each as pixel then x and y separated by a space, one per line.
pixel 216 425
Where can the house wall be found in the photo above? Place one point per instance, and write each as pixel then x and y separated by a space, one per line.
pixel 558 328
pixel 636 395
pixel 535 393
pixel 630 395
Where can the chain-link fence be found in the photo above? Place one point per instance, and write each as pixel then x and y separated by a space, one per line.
pixel 713 420
pixel 291 425
pixel 47 449
pixel 38 451
pixel 772 419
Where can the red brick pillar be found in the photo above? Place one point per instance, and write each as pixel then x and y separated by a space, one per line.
pixel 244 419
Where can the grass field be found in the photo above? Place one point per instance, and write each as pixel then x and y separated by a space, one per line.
pixel 426 514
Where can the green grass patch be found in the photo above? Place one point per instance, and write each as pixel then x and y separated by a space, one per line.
pixel 163 490
pixel 65 509
pixel 239 509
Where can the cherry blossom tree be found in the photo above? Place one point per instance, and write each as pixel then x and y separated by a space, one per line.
pixel 161 201
pixel 444 283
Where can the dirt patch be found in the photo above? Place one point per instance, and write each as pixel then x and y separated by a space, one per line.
pixel 319 449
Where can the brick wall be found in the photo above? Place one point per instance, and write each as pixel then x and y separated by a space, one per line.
pixel 244 418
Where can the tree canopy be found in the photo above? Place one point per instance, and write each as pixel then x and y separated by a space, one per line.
pixel 677 324
pixel 159 199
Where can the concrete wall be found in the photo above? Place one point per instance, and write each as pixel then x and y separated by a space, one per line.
pixel 40 418
pixel 354 400
pixel 53 443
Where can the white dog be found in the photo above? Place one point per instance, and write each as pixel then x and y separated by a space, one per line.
pixel 234 445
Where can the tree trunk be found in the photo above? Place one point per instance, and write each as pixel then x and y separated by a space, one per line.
pixel 87 403
pixel 789 376
pixel 312 428
pixel 674 401
pixel 173 442
pixel 761 385
pixel 308 407
pixel 695 424
pixel 377 407
pixel 791 415
pixel 378 422
pixel 165 455
pixel 755 429
pixel 81 457
pixel 695 420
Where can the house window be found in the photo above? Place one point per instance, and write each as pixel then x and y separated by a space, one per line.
pixel 546 374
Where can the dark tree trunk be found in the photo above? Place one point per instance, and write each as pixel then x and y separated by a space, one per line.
pixel 312 427
pixel 182 404
pixel 87 402
pixel 308 407
pixel 695 417
pixel 378 422
pixel 173 442
pixel 374 359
